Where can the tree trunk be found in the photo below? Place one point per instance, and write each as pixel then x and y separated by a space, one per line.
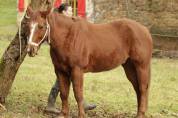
pixel 11 61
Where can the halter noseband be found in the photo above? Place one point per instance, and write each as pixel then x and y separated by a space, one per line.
pixel 45 35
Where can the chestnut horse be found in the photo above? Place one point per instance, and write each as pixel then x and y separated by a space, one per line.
pixel 78 47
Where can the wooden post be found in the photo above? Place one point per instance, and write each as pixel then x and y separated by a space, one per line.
pixel 75 7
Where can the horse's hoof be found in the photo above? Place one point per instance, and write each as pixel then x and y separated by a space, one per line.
pixel 61 115
pixel 52 110
pixel 89 107
pixel 140 116
pixel 82 116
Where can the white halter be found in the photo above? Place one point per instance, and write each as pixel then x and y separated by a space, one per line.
pixel 45 35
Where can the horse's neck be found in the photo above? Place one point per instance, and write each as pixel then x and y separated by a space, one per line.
pixel 58 18
pixel 60 27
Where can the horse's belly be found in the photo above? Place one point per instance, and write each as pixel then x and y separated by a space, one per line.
pixel 107 63
pixel 101 67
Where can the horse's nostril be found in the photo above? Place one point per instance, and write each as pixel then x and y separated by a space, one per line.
pixel 32 51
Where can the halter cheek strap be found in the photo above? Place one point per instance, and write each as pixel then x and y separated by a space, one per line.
pixel 45 35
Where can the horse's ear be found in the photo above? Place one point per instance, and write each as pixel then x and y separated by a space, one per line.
pixel 29 11
pixel 44 14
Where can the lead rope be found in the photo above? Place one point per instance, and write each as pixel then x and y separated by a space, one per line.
pixel 49 40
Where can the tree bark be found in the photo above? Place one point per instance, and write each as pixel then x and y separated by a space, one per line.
pixel 11 61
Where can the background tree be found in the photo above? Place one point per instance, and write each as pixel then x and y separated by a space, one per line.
pixel 12 59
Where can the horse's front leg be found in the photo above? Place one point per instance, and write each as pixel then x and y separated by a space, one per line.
pixel 64 87
pixel 77 81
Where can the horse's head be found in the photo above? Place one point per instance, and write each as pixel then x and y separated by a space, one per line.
pixel 39 29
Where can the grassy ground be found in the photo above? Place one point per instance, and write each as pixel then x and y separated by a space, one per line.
pixel 111 91
pixel 8 14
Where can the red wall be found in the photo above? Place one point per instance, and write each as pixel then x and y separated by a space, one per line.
pixel 81 8
pixel 57 3
pixel 21 5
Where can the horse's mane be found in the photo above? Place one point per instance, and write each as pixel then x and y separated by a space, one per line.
pixel 61 8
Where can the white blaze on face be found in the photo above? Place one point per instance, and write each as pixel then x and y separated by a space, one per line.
pixel 32 30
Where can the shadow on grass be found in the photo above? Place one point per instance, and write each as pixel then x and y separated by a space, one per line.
pixel 98 113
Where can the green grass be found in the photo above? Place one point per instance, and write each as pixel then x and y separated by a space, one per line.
pixel 111 90
pixel 8 12
pixel 8 16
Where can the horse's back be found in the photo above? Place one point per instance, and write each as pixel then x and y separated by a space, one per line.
pixel 121 33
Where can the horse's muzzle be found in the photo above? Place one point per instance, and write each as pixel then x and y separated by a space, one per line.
pixel 32 50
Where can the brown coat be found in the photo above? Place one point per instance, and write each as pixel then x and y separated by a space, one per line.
pixel 98 47
pixel 78 46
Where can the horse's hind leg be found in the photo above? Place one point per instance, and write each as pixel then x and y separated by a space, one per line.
pixel 131 74
pixel 139 76
pixel 143 74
